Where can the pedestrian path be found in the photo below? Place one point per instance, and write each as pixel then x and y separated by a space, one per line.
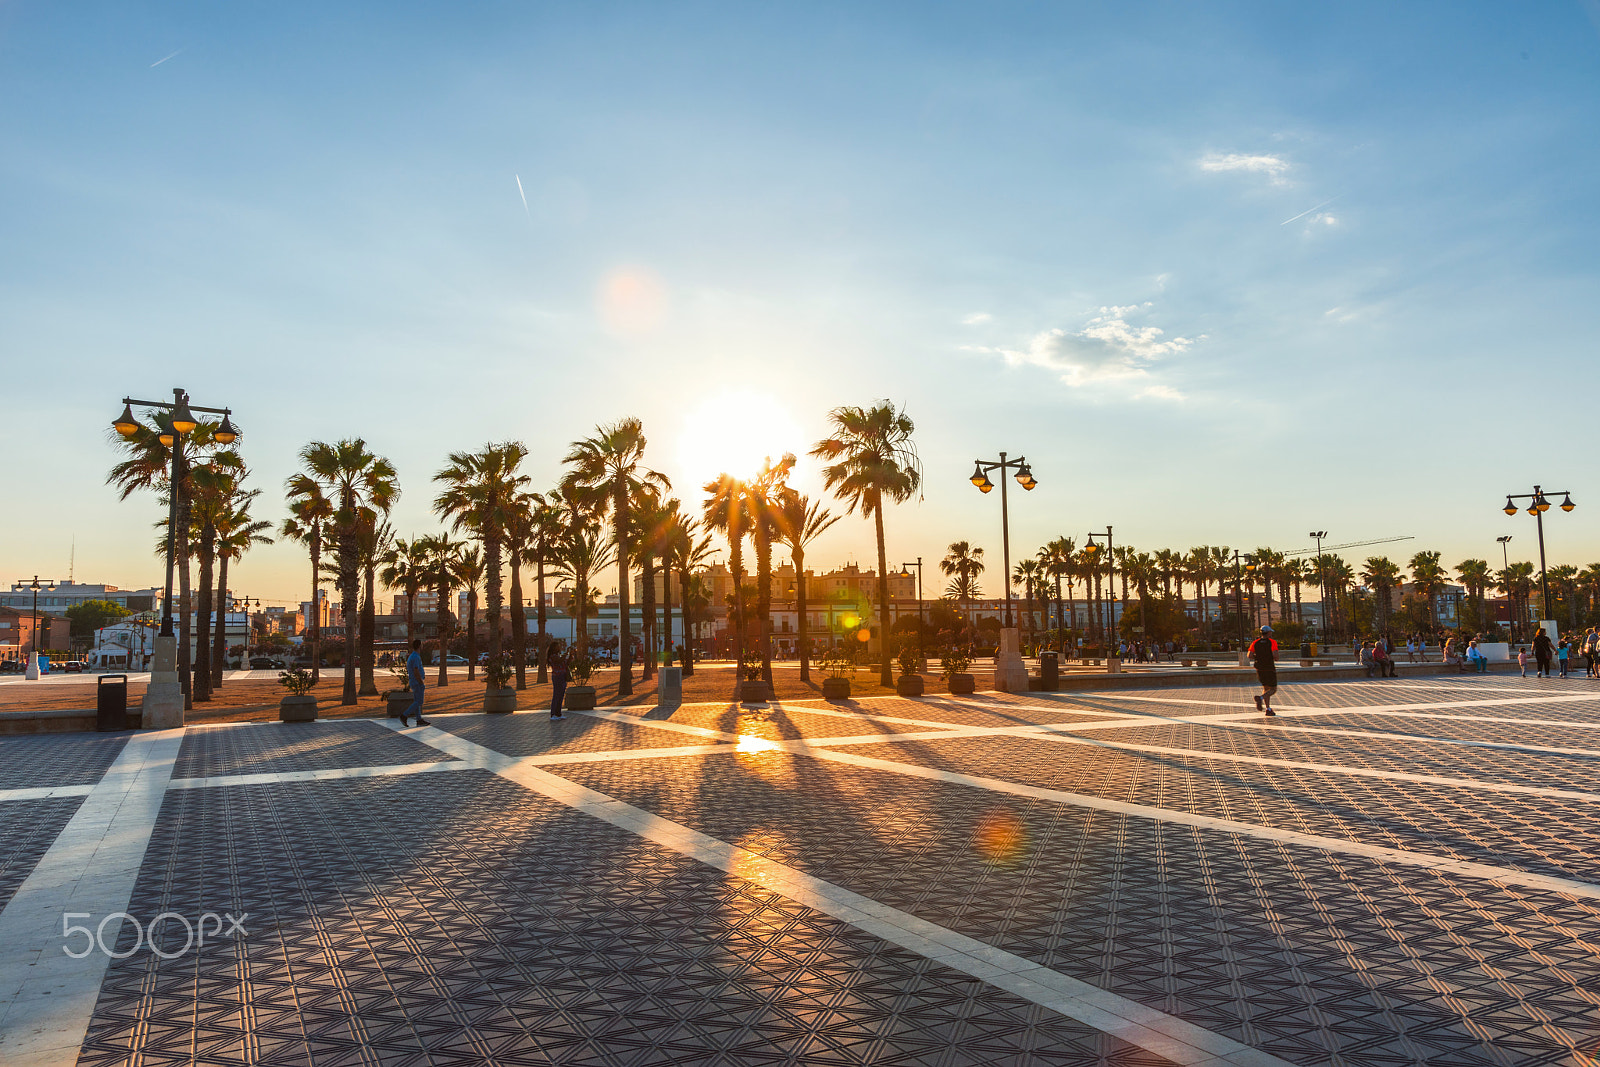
pixel 1387 873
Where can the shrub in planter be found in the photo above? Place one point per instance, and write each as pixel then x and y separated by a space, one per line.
pixel 499 696
pixel 396 701
pixel 840 665
pixel 580 694
pixel 299 705
pixel 953 666
pixel 753 689
pixel 909 684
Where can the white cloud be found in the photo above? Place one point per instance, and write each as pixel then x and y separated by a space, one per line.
pixel 976 318
pixel 1108 348
pixel 1274 167
pixel 1158 392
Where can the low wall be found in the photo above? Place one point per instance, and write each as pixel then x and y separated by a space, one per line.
pixel 56 721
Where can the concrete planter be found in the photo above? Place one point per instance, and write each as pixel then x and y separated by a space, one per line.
pixel 397 701
pixel 580 698
pixel 294 708
pixel 836 689
pixel 962 683
pixel 501 701
pixel 1113 665
pixel 754 693
pixel 908 685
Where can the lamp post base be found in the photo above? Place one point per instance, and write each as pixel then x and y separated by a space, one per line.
pixel 1010 673
pixel 163 698
pixel 32 672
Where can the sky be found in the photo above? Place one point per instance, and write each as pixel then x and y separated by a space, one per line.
pixel 1223 272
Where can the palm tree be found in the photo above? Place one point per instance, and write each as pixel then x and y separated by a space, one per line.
pixel 310 517
pixel 519 544
pixel 872 460
pixel 1474 575
pixel 1516 582
pixel 372 541
pixel 585 549
pixel 354 479
pixel 610 462
pixel 1056 558
pixel 441 554
pixel 1429 579
pixel 405 567
pixel 1380 574
pixel 1565 577
pixel 469 571
pixel 650 520
pixel 237 531
pixel 480 490
pixel 727 511
pixel 690 550
pixel 765 498
pixel 962 564
pixel 800 521
pixel 1028 574
pixel 545 531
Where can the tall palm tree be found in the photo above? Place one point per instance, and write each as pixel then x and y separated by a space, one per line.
pixel 727 511
pixel 237 532
pixel 405 567
pixel 1429 577
pixel 766 493
pixel 1380 573
pixel 212 485
pixel 871 460
pixel 585 549
pixel 480 488
pixel 545 532
pixel 800 521
pixel 469 570
pixel 373 536
pixel 1056 558
pixel 650 520
pixel 353 478
pixel 962 564
pixel 310 518
pixel 611 462
pixel 1029 574
pixel 519 545
pixel 1565 578
pixel 1474 574
pixel 441 554
pixel 690 552
pixel 1200 572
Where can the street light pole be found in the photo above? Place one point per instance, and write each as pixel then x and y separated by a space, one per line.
pixel 907 568
pixel 1011 676
pixel 1505 560
pixel 1322 580
pixel 1539 503
pixel 31 670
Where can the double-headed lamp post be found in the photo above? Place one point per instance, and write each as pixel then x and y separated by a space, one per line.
pixel 1538 504
pixel 1505 562
pixel 1106 604
pixel 32 668
pixel 164 699
pixel 1010 674
pixel 980 478
pixel 905 568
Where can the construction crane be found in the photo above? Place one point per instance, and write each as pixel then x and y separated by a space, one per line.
pixel 1352 544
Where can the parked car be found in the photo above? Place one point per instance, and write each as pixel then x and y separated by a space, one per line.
pixel 454 660
pixel 11 666
pixel 262 663
pixel 71 666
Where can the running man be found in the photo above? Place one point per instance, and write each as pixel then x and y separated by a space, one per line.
pixel 1262 650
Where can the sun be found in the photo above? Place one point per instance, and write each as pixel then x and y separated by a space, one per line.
pixel 733 431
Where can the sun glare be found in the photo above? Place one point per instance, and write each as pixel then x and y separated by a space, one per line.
pixel 733 431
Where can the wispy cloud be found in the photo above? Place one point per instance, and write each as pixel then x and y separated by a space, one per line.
pixel 976 318
pixel 163 59
pixel 1309 210
pixel 1108 348
pixel 1274 167
pixel 523 195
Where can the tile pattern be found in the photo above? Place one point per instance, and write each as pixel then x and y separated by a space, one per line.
pixel 266 748
pixel 1541 835
pixel 57 759
pixel 534 734
pixel 1463 726
pixel 509 930
pixel 1316 958
pixel 27 829
pixel 786 723
pixel 966 712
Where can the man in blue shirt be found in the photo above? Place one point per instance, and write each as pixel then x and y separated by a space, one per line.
pixel 414 676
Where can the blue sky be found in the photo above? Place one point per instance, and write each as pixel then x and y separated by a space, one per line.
pixel 1224 272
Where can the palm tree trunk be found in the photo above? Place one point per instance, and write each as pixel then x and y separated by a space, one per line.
pixel 544 641
pixel 446 624
pixel 219 643
pixel 519 621
pixel 472 634
pixel 349 607
pixel 185 612
pixel 492 587
pixel 369 630
pixel 736 608
pixel 688 639
pixel 647 571
pixel 202 649
pixel 411 605
pixel 624 608
pixel 799 557
pixel 764 595
pixel 886 675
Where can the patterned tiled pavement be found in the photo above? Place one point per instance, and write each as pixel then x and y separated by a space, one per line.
pixel 1086 878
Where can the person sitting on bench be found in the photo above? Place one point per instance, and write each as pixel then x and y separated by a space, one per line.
pixel 1384 661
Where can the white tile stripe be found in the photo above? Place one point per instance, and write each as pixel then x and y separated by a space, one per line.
pixel 819 749
pixel 1154 1031
pixel 45 792
pixel 46 996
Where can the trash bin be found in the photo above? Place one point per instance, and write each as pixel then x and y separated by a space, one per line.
pixel 111 702
pixel 1049 671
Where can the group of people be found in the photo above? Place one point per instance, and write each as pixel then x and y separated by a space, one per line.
pixel 556 659
pixel 1558 654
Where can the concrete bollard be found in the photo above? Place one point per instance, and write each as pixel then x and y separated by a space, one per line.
pixel 669 687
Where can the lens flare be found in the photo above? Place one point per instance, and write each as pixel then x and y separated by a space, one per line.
pixel 632 300
pixel 1001 837
pixel 751 743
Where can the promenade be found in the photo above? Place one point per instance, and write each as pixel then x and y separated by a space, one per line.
pixel 1391 872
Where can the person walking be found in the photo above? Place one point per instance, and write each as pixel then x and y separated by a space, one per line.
pixel 1411 649
pixel 558 681
pixel 1562 651
pixel 1263 650
pixel 1591 651
pixel 1542 648
pixel 1522 660
pixel 418 687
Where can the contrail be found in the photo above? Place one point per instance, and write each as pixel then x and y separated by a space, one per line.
pixel 1309 210
pixel 524 197
pixel 163 59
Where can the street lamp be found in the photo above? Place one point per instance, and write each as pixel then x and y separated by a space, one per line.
pixel 1505 560
pixel 32 670
pixel 1538 504
pixel 980 478
pixel 1322 581
pixel 906 569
